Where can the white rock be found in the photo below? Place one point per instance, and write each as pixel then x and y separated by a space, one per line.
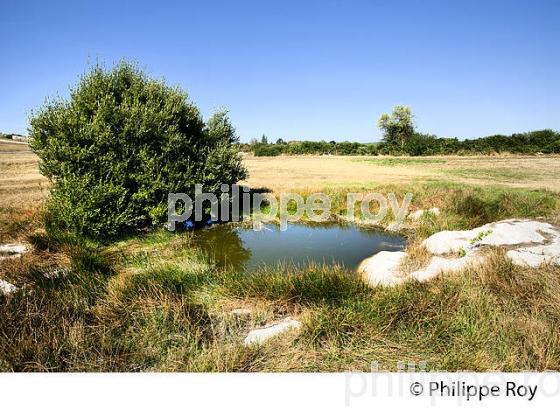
pixel 6 288
pixel 516 232
pixel 13 248
pixel 534 256
pixel 444 242
pixel 527 258
pixel 259 336
pixel 533 243
pixel 439 265
pixel 508 232
pixel 382 268
pixel 419 213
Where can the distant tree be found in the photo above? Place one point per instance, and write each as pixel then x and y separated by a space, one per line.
pixel 280 141
pixel 264 140
pixel 397 127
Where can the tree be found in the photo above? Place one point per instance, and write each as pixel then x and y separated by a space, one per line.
pixel 121 144
pixel 264 140
pixel 397 127
pixel 280 141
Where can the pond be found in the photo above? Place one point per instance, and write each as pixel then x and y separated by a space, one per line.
pixel 243 248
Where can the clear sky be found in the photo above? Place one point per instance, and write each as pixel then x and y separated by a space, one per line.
pixel 302 69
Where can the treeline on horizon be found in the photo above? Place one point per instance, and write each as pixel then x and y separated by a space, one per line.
pixel 543 141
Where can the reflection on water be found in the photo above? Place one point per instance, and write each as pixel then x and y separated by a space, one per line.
pixel 243 248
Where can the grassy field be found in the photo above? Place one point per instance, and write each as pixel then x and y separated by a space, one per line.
pixel 156 303
pixel 320 172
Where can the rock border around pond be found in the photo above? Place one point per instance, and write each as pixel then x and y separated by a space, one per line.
pixel 529 243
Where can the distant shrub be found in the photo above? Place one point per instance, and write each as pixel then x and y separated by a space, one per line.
pixel 418 144
pixel 310 148
pixel 544 141
pixel 120 144
pixel 267 150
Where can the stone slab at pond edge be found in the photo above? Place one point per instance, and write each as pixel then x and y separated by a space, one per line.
pixel 528 243
pixel 383 268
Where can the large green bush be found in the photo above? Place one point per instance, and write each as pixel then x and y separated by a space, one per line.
pixel 123 141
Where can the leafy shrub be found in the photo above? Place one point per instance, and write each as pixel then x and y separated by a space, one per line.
pixel 267 150
pixel 120 144
pixel 310 147
pixel 417 144
pixel 544 141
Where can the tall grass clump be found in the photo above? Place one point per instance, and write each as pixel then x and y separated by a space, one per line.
pixel 312 284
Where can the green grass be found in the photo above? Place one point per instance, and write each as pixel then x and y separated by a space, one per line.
pixel 463 206
pixel 493 174
pixel 402 161
pixel 156 303
pixel 501 318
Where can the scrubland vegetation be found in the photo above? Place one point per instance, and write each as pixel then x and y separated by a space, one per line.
pixel 533 142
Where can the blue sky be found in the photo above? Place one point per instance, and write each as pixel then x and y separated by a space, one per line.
pixel 302 69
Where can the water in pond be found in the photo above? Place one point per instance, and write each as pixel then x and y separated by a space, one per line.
pixel 243 248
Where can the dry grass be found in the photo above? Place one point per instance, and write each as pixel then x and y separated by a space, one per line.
pixel 166 316
pixel 10 146
pixel 22 190
pixel 285 173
